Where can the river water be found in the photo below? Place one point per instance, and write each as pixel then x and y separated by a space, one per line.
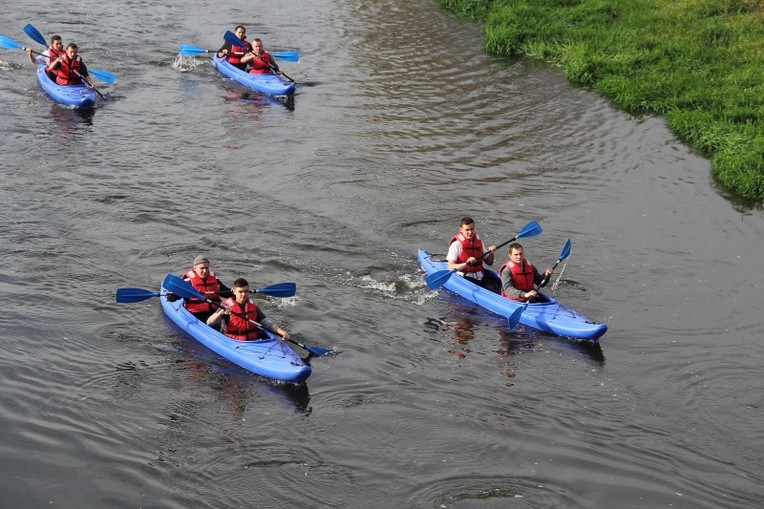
pixel 400 126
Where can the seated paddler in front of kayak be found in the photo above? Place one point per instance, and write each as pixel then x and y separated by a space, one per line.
pixel 204 281
pixel 55 50
pixel 238 314
pixel 519 277
pixel 233 54
pixel 467 254
pixel 70 69
pixel 261 61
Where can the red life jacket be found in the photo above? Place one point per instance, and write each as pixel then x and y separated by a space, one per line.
pixel 210 284
pixel 472 247
pixel 66 75
pixel 261 64
pixel 236 52
pixel 52 54
pixel 237 327
pixel 522 277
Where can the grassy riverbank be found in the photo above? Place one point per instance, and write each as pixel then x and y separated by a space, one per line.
pixel 697 63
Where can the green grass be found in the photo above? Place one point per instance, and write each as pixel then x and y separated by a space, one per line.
pixel 697 63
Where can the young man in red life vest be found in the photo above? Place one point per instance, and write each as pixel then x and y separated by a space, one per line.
pixel 55 50
pixel 518 277
pixel 205 282
pixel 464 250
pixel 70 69
pixel 260 60
pixel 238 313
pixel 234 54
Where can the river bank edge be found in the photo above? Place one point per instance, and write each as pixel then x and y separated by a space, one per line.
pixel 699 65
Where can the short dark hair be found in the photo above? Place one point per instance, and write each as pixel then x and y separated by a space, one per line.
pixel 240 283
pixel 467 220
pixel 513 246
pixel 55 38
pixel 72 45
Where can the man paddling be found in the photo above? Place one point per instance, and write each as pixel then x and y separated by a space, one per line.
pixel 233 53
pixel 55 50
pixel 467 255
pixel 205 282
pixel 519 277
pixel 70 69
pixel 238 314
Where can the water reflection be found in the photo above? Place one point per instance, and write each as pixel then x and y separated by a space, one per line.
pixel 238 390
pixel 70 119
pixel 260 100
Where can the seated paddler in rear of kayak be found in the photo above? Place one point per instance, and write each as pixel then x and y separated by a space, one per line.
pixel 238 314
pixel 234 54
pixel 261 61
pixel 70 69
pixel 467 254
pixel 55 50
pixel 519 277
pixel 205 282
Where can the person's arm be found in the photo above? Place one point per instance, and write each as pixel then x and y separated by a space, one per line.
pixel 454 250
pixel 224 50
pixel 274 66
pixel 216 316
pixel 488 258
pixel 86 76
pixel 538 277
pixel 268 324
pixel 55 64
pixel 32 58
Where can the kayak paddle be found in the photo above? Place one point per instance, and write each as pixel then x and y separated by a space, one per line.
pixel 563 254
pixel 277 290
pixel 231 39
pixel 180 287
pixel 439 278
pixel 131 295
pixel 514 318
pixel 189 50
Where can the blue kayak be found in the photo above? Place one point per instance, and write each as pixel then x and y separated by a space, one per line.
pixel 272 84
pixel 269 357
pixel 547 315
pixel 78 96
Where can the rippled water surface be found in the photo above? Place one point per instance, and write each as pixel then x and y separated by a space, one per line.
pixel 400 126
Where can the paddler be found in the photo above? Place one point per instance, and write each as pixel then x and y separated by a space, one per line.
pixel 205 282
pixel 464 254
pixel 70 69
pixel 518 277
pixel 238 313
pixel 233 53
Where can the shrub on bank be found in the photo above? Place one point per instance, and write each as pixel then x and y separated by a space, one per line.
pixel 698 63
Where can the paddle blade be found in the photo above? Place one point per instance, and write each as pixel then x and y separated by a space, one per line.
pixel 439 278
pixel 563 254
pixel 104 76
pixel 181 288
pixel 314 350
pixel 287 56
pixel 279 290
pixel 8 43
pixel 231 39
pixel 35 34
pixel 565 251
pixel 130 295
pixel 514 318
pixel 189 50
pixel 529 230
